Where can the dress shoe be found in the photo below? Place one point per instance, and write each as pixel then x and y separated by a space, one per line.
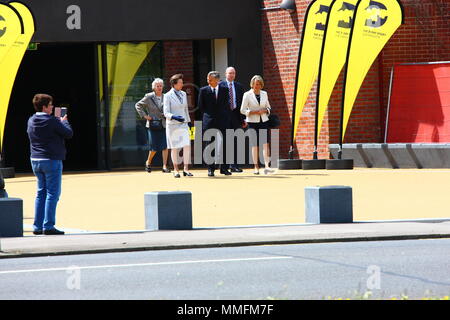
pixel 38 232
pixel 176 175
pixel 225 172
pixel 166 170
pixel 187 174
pixel 210 173
pixel 53 232
pixel 236 169
pixel 148 168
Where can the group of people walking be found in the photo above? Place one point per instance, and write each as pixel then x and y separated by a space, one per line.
pixel 224 105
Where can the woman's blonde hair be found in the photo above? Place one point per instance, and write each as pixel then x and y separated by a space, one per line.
pixel 257 78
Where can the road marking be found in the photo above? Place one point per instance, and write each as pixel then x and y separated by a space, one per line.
pixel 144 264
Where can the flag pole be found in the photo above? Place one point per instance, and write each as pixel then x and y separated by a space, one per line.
pixel 317 163
pixel 340 163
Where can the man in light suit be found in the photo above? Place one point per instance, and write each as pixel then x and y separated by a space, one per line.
pixel 235 94
pixel 213 102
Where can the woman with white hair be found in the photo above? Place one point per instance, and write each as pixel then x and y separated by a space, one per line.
pixel 151 108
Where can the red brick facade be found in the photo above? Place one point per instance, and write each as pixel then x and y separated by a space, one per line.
pixel 178 58
pixel 424 37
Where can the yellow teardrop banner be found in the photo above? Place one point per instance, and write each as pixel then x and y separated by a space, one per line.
pixel 123 64
pixel 334 53
pixel 309 56
pixel 10 28
pixel 375 23
pixel 11 62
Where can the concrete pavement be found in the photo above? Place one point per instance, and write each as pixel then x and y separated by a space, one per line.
pixel 222 237
pixel 96 209
pixel 114 201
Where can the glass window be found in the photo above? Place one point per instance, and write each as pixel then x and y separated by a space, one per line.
pixel 131 68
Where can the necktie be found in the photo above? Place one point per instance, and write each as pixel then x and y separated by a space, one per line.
pixel 232 106
pixel 214 91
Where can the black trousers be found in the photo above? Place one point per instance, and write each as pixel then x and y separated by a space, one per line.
pixel 222 149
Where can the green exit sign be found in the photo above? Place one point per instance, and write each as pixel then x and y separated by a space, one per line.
pixel 33 46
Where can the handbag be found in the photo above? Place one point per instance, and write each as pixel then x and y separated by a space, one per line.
pixel 274 121
pixel 156 125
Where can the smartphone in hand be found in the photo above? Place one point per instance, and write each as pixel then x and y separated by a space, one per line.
pixel 60 112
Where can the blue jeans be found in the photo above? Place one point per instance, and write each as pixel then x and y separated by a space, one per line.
pixel 49 174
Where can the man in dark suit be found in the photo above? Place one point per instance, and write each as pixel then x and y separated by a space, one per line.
pixel 213 102
pixel 235 94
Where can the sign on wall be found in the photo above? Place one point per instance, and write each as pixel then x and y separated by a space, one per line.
pixel 419 109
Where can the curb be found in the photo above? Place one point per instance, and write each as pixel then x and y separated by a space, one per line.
pixel 13 255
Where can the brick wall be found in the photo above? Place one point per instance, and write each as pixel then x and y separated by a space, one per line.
pixel 179 58
pixel 281 33
pixel 425 36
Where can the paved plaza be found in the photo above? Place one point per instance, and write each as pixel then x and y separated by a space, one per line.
pixel 114 201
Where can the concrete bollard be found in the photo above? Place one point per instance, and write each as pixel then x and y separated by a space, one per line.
pixel 11 217
pixel 329 204
pixel 168 210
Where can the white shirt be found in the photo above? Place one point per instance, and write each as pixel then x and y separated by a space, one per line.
pixel 217 90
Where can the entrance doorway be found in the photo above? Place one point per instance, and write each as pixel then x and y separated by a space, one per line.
pixel 68 73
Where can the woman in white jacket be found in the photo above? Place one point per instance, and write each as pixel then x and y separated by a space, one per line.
pixel 177 129
pixel 255 106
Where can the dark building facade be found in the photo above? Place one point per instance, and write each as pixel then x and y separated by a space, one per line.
pixel 92 49
pixel 128 42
